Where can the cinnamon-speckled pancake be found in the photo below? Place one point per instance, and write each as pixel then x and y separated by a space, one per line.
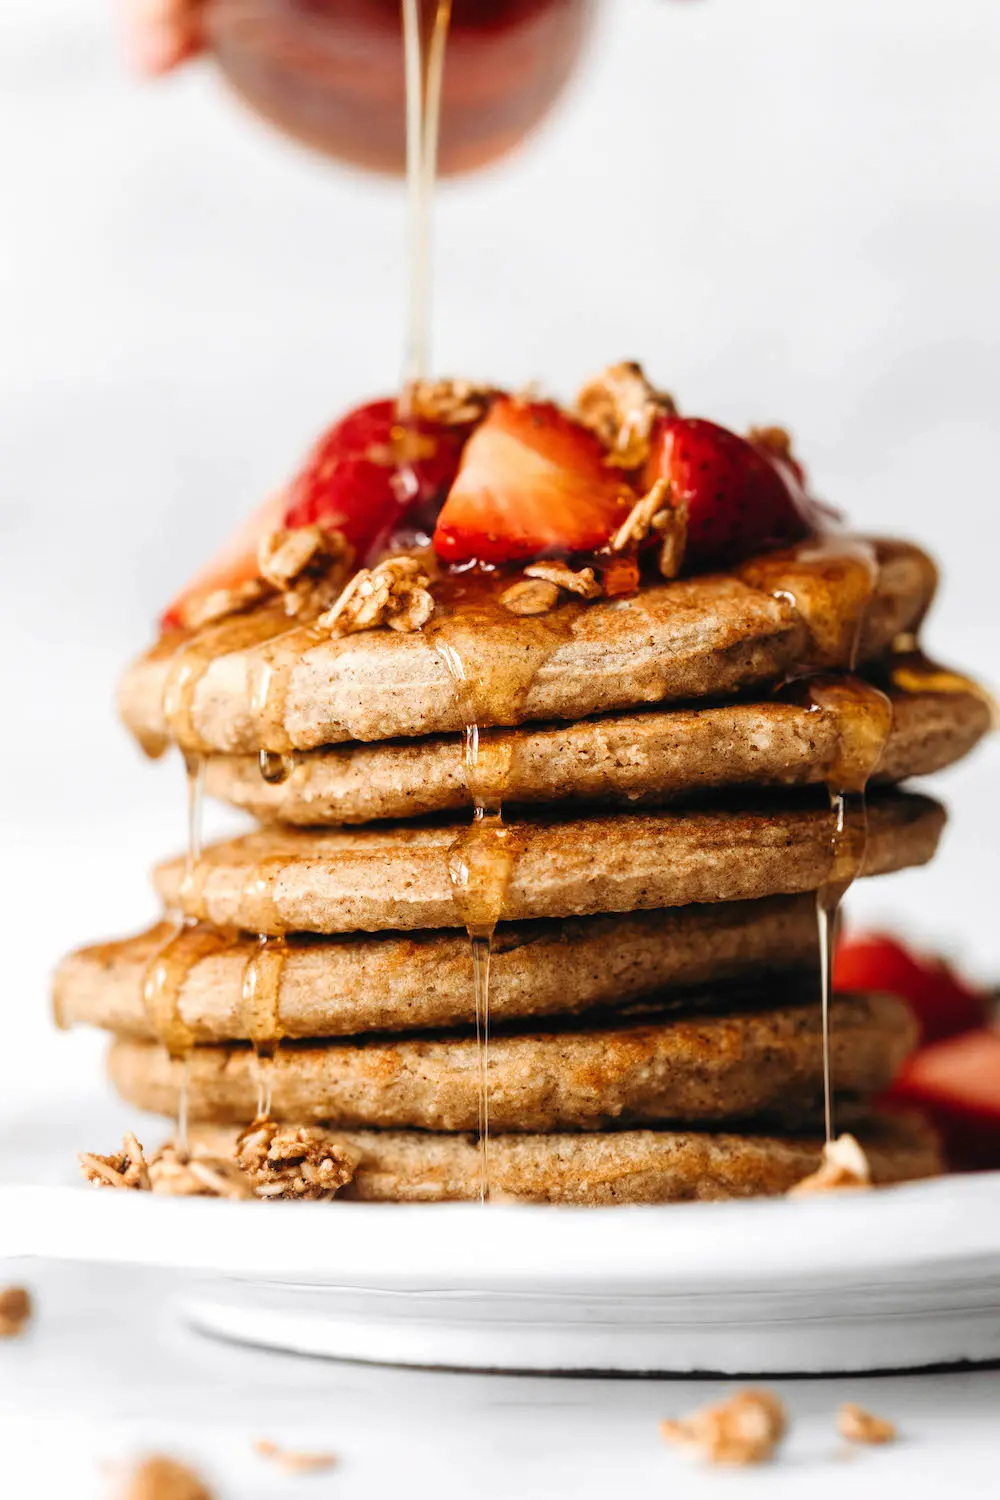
pixel 753 1065
pixel 251 682
pixel 608 1167
pixel 342 986
pixel 653 757
pixel 398 875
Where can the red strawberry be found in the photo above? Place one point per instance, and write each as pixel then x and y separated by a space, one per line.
pixel 533 483
pixel 365 477
pixel 742 497
pixel 957 1084
pixel 944 1003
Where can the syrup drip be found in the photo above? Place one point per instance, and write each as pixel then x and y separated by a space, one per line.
pixel 261 996
pixel 275 768
pixel 490 686
pixel 830 584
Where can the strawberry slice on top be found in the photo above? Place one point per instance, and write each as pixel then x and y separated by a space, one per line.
pixel 742 497
pixel 532 483
pixel 368 476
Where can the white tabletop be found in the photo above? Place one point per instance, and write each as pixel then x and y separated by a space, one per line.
pixel 108 1374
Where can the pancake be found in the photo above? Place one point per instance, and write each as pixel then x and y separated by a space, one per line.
pixel 342 986
pixel 613 1167
pixel 646 758
pixel 397 875
pixel 762 1064
pixel 251 682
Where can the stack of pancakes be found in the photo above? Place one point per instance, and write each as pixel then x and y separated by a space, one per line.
pixel 653 990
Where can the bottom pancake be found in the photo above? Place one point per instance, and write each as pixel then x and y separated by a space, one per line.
pixel 765 1064
pixel 616 1167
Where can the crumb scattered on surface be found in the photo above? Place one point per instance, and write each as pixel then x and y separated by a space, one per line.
pixel 15 1311
pixel 844 1166
pixel 744 1430
pixel 289 1162
pixel 561 574
pixel 530 596
pixel 291 1460
pixel 161 1478
pixel 621 408
pixel 860 1426
pixel 394 593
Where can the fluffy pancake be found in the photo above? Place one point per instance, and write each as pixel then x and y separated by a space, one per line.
pixel 397 875
pixel 655 756
pixel 251 682
pixel 761 1064
pixel 342 986
pixel 612 1167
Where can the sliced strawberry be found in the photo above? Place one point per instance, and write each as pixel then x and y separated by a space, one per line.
pixel 945 1004
pixel 956 1083
pixel 366 477
pixel 742 497
pixel 533 483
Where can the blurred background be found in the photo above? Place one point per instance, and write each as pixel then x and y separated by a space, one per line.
pixel 788 211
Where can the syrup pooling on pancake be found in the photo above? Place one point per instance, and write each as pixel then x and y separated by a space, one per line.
pixel 911 671
pixel 261 1009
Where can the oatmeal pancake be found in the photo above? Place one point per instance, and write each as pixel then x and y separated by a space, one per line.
pixel 257 681
pixel 398 875
pixel 342 986
pixel 608 1167
pixel 760 1064
pixel 652 757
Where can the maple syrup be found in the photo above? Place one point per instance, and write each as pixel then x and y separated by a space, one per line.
pixel 261 1002
pixel 830 582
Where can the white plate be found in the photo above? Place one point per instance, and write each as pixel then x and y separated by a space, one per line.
pixel 897 1279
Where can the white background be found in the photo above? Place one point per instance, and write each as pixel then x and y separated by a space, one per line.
pixel 788 210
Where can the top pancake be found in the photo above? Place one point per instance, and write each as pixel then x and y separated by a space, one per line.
pixel 252 682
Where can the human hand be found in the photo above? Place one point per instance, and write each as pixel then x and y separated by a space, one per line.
pixel 160 34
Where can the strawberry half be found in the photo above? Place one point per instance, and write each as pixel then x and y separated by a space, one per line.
pixel 366 477
pixel 532 483
pixel 944 1003
pixel 742 497
pixel 956 1083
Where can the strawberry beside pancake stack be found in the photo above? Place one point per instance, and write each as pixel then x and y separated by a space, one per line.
pixel 567 731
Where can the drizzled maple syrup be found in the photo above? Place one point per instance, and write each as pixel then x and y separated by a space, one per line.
pixel 261 1010
pixel 830 582
pixel 188 943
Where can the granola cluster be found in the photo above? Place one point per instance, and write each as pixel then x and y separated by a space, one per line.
pixel 744 1430
pixel 621 408
pixel 271 1161
pixel 161 1478
pixel 544 584
pixel 394 593
pixel 307 565
pixel 289 1162
pixel 453 403
pixel 844 1165
pixel 655 515
pixel 15 1311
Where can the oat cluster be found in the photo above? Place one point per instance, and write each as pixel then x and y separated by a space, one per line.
pixel 294 1162
pixel 307 565
pixel 744 1430
pixel 15 1311
pixel 844 1166
pixel 621 408
pixel 395 593
pixel 161 1478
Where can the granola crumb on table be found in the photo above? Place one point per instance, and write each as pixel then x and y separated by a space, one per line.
pixel 162 1478
pixel 16 1311
pixel 292 1460
pixel 746 1429
pixel 860 1426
